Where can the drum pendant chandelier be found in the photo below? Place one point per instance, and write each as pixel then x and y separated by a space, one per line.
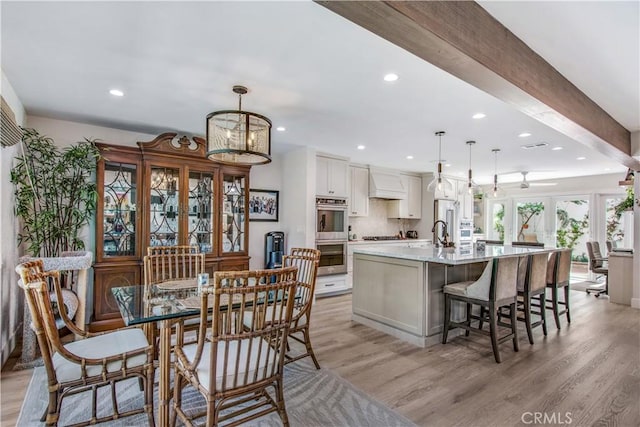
pixel 238 137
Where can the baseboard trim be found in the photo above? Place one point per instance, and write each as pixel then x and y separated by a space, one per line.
pixel 635 303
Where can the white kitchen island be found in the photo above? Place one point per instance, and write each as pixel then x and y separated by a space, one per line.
pixel 398 290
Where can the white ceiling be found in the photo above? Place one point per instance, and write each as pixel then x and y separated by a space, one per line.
pixel 318 75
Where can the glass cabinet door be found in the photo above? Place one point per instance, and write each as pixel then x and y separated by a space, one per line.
pixel 119 210
pixel 233 215
pixel 200 211
pixel 164 206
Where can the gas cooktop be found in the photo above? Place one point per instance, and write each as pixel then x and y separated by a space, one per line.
pixel 380 238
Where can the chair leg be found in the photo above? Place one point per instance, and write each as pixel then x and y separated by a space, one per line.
pixel 177 398
pixel 469 307
pixel 447 315
pixel 493 328
pixel 307 344
pixel 514 325
pixel 481 317
pixel 566 302
pixel 543 313
pixel 527 317
pixel 282 411
pixel 556 308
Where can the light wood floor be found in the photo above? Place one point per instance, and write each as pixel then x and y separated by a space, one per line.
pixel 588 371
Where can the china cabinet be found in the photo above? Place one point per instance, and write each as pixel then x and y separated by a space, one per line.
pixel 164 192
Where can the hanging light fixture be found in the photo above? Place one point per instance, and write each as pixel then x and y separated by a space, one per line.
pixel 439 183
pixel 471 186
pixel 238 137
pixel 496 192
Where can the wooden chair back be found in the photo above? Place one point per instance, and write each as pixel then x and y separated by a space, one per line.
pixel 559 267
pixel 307 272
pixel 244 356
pixel 308 252
pixel 176 249
pixel 185 262
pixel 504 278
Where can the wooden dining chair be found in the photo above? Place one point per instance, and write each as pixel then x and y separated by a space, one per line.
pixel 307 273
pixel 237 368
pixel 176 268
pixel 87 364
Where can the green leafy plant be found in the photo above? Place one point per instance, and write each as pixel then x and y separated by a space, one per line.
pixel 570 229
pixel 526 212
pixel 55 193
pixel 498 223
pixel 626 204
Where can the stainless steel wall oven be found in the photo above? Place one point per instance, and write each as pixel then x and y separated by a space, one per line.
pixel 333 257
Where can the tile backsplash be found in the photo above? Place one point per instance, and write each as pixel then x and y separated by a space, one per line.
pixel 377 223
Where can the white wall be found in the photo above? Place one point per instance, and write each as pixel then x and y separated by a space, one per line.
pixel 265 177
pixel 11 299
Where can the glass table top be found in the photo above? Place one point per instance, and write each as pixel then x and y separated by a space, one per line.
pixel 162 302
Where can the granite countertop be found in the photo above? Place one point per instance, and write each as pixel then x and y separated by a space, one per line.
pixel 449 256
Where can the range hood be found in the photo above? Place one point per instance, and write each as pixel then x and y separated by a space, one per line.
pixel 385 184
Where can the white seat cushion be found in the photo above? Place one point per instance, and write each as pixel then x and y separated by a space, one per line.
pixel 248 316
pixel 100 347
pixel 258 346
pixel 459 288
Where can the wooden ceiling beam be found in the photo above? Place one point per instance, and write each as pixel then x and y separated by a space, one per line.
pixel 464 40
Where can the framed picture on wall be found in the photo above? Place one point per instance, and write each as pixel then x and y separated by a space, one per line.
pixel 263 205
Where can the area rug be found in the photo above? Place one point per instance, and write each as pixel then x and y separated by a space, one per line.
pixel 313 398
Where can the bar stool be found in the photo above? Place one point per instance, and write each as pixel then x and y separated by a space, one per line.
pixel 532 283
pixel 558 272
pixel 495 288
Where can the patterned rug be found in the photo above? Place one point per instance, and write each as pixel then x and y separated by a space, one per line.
pixel 313 398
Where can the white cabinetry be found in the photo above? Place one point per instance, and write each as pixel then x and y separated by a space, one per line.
pixel 411 207
pixel 328 285
pixel 331 177
pixel 359 197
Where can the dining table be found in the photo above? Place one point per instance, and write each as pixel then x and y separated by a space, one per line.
pixel 163 304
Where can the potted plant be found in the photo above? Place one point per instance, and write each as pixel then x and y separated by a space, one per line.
pixel 55 197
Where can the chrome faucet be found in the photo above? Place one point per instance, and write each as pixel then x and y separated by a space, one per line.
pixel 444 241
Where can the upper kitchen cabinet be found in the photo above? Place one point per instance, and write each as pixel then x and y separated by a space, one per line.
pixel 332 177
pixel 411 206
pixel 359 196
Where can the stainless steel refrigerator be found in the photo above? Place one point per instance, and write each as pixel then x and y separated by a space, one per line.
pixel 447 211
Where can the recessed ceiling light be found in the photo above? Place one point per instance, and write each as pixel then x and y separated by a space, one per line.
pixel 116 92
pixel 557 148
pixel 281 128
pixel 479 116
pixel 410 157
pixel 391 77
pixel 524 134
pixel 580 158
pixel 361 147
pixel 448 165
pixel 607 169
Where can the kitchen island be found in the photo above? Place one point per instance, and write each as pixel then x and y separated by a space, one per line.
pixel 398 290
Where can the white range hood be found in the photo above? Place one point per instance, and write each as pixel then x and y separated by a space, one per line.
pixel 386 184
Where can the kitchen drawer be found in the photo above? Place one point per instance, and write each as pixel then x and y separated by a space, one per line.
pixel 326 285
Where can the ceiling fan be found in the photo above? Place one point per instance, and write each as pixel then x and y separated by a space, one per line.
pixel 526 184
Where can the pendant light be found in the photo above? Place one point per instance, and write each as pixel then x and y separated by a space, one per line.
pixel 496 192
pixel 238 137
pixel 439 183
pixel 471 186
